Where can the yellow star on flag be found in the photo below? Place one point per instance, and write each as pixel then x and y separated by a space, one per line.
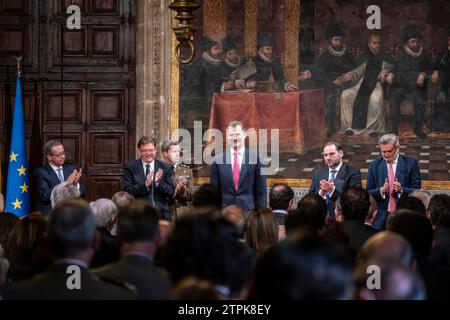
pixel 13 156
pixel 24 187
pixel 21 170
pixel 17 204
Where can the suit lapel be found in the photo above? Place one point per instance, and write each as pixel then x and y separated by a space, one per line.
pixel 52 174
pixel 384 173
pixel 140 169
pixel 229 169
pixel 342 172
pixel 399 169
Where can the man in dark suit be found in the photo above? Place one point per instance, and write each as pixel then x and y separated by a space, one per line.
pixel 72 235
pixel 237 172
pixel 281 199
pixel 138 230
pixel 53 173
pixel 352 209
pixel 391 176
pixel 330 181
pixel 148 178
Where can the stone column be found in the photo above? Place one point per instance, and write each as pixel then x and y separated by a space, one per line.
pixel 153 63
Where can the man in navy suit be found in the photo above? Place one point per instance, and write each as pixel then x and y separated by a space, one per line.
pixel 331 181
pixel 148 178
pixel 53 173
pixel 237 172
pixel 391 176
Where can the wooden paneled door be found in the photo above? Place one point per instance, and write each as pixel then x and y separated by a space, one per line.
pixel 93 111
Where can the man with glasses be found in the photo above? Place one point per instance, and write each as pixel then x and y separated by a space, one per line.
pixel 53 173
pixel 390 176
pixel 148 178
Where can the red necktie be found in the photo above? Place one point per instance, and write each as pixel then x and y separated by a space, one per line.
pixel 236 171
pixel 391 177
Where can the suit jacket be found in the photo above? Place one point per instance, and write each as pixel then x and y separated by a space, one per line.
pixel 180 204
pixel 347 176
pixel 46 179
pixel 408 175
pixel 133 182
pixel 358 232
pixel 52 285
pixel 251 192
pixel 151 282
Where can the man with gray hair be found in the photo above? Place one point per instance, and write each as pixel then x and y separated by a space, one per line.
pixel 390 176
pixel 53 173
pixel 63 192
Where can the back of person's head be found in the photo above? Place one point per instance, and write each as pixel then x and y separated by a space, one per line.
pixel 439 209
pixel 63 192
pixel 422 195
pixel 354 204
pixel 261 229
pixel 122 199
pixel 414 227
pixel 27 249
pixel 193 288
pixel 334 232
pixel 72 228
pixel 7 222
pixel 311 212
pixel 207 196
pixel 411 203
pixel 396 282
pixel 207 246
pixel 236 215
pixel 281 196
pixel 104 211
pixel 386 247
pixel 137 222
pixel 304 267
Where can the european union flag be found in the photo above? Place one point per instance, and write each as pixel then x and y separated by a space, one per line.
pixel 17 193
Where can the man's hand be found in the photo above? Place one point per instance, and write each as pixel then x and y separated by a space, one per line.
pixel 251 84
pixel 326 186
pixel 382 77
pixel 74 177
pixel 240 84
pixel 397 186
pixel 342 79
pixel 305 75
pixel 158 175
pixel 435 77
pixel 385 188
pixel 390 79
pixel 228 85
pixel 182 182
pixel 290 87
pixel 149 179
pixel 420 80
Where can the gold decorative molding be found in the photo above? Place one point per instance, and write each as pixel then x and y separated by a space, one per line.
pixel 291 33
pixel 174 86
pixel 215 19
pixel 251 27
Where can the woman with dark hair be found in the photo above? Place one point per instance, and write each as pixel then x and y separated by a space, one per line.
pixel 27 248
pixel 261 229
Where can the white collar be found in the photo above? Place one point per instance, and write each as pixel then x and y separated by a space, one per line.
pixel 395 160
pixel 152 164
pixel 55 167
pixel 239 152
pixel 208 58
pixel 335 52
pixel 231 64
pixel 264 58
pixel 337 168
pixel 412 53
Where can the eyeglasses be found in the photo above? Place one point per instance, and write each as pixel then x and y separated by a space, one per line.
pixel 59 155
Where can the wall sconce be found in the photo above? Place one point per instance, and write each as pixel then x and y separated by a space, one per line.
pixel 184 30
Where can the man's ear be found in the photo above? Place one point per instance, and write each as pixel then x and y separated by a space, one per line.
pixel 291 203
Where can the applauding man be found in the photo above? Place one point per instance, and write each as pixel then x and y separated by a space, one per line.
pixel 330 181
pixel 148 178
pixel 53 173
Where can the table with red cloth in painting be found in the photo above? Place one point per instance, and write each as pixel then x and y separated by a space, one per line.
pixel 299 115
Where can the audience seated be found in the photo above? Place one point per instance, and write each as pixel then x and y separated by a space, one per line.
pixel 411 203
pixel 261 230
pixel 63 192
pixel 7 222
pixel 138 231
pixel 72 236
pixel 105 212
pixel 192 288
pixel 439 213
pixel 27 249
pixel 311 213
pixel 236 215
pixel 207 196
pixel 352 209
